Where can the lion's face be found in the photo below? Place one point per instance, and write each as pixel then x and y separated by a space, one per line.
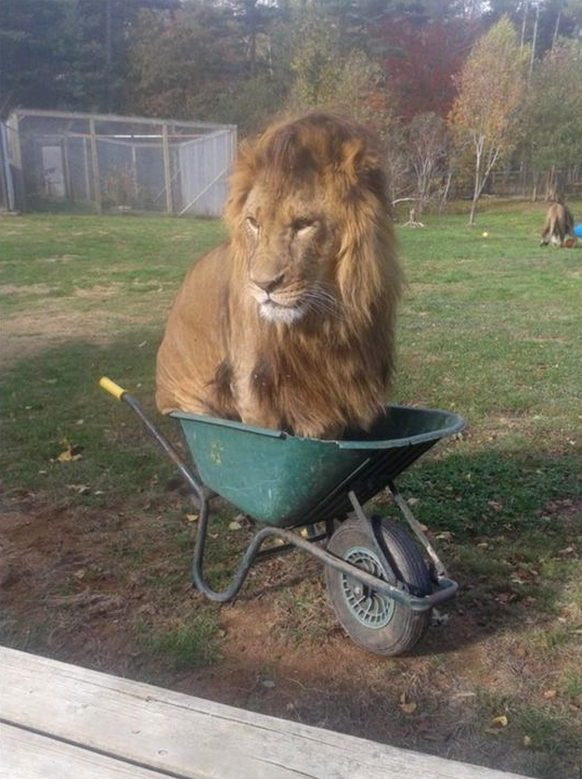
pixel 292 245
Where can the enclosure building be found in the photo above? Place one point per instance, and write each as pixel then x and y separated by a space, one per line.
pixel 107 163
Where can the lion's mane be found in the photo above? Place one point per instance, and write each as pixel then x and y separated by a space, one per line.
pixel 330 370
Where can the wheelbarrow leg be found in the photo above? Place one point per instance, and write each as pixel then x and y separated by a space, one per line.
pixel 368 524
pixel 416 527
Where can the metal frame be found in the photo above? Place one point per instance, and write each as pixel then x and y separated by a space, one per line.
pixel 166 139
pixel 390 587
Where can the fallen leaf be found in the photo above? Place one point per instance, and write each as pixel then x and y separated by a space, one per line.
pixel 412 501
pixel 408 707
pixel 499 722
pixel 549 695
pixel 67 456
pixel 527 742
pixel 444 536
pixel 69 453
pixel 234 525
pixel 191 517
pixel 82 489
pixel 80 574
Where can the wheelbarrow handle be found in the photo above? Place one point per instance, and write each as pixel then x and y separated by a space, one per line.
pixel 121 394
pixel 111 387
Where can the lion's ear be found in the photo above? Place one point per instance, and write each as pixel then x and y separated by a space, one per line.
pixel 360 164
pixel 357 157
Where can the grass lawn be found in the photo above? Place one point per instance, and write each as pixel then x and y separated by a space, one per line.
pixel 98 553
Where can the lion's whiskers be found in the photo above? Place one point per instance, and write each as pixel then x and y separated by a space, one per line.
pixel 319 299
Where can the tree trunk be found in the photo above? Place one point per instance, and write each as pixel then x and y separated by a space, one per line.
pixel 523 21
pixel 533 43
pixel 477 190
pixel 556 30
pixel 446 189
pixel 108 53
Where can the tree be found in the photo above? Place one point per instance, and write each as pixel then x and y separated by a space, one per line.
pixel 326 75
pixel 179 68
pixel 486 114
pixel 554 18
pixel 419 58
pixel 428 144
pixel 67 53
pixel 554 111
pixel 37 54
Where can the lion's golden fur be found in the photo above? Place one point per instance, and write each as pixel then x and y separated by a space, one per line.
pixel 310 223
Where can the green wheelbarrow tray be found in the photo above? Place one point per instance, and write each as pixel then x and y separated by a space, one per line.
pixel 380 586
pixel 286 481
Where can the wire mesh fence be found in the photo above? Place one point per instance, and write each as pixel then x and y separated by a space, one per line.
pixel 113 163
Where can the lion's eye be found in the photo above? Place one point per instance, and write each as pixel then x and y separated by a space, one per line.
pixel 253 224
pixel 303 225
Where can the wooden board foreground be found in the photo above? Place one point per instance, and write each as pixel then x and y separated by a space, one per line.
pixel 61 721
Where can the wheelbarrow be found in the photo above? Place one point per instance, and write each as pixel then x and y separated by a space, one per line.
pixel 309 494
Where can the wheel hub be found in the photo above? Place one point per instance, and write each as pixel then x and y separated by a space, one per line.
pixel 368 606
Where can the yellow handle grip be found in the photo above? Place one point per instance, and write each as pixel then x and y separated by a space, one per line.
pixel 111 387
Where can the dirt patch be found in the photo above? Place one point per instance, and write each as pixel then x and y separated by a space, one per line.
pixel 98 291
pixel 29 334
pixel 27 289
pixel 60 258
pixel 75 586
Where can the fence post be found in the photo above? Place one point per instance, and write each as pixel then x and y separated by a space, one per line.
pixel 86 171
pixel 67 170
pixel 95 167
pixel 13 124
pixel 167 169
pixel 134 175
pixel 6 170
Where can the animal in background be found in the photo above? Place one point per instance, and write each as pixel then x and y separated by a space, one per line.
pixel 558 227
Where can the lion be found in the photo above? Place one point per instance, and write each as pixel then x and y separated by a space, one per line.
pixel 290 324
pixel 558 227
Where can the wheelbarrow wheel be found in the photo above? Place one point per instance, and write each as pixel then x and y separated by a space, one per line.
pixel 374 621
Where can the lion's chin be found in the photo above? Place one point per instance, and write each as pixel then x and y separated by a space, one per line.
pixel 273 312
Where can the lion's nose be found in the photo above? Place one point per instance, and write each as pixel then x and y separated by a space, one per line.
pixel 268 285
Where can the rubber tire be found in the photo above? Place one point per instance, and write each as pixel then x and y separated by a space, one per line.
pixel 406 627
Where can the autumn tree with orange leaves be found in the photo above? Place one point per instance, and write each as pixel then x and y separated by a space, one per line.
pixel 487 112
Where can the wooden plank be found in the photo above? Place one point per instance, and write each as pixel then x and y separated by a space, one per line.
pixel 27 755
pixel 191 737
